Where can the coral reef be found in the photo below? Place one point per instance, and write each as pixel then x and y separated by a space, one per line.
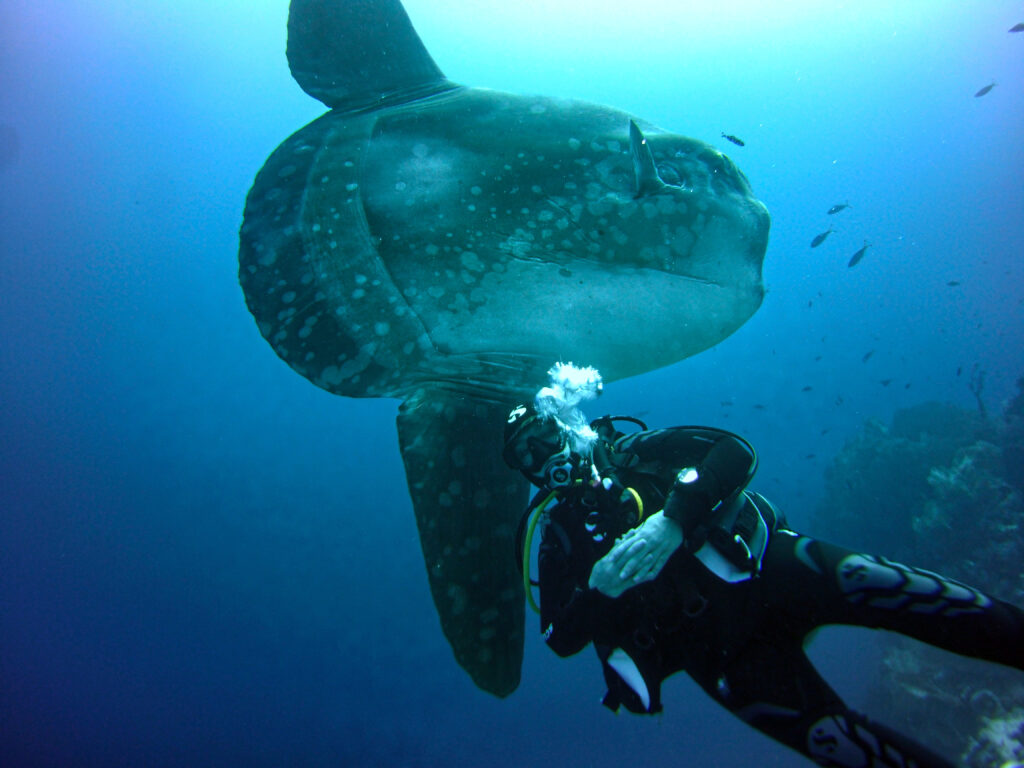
pixel 1012 438
pixel 972 522
pixel 941 488
pixel 878 484
pixel 1000 742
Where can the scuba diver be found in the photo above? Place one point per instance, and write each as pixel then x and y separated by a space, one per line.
pixel 653 549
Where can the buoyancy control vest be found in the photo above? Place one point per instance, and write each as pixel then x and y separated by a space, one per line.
pixel 639 474
pixel 698 475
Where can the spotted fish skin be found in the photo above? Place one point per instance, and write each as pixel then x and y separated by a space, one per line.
pixel 385 249
pixel 444 245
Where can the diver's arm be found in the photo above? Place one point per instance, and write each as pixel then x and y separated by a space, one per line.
pixel 638 556
pixel 569 611
pixel 641 553
pixel 568 629
pixel 699 490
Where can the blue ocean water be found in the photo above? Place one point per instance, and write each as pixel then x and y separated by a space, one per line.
pixel 205 560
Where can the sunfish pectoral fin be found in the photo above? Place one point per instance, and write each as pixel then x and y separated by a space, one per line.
pixel 351 54
pixel 647 180
pixel 467 504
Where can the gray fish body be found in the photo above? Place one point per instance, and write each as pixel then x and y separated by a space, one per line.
pixel 445 245
pixel 855 259
pixel 820 238
pixel 502 232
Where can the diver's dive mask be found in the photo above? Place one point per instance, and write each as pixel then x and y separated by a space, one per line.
pixel 539 448
pixel 550 441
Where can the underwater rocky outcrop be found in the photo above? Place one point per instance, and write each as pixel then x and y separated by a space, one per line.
pixel 942 488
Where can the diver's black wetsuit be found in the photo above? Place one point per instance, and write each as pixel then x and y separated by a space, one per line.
pixel 735 622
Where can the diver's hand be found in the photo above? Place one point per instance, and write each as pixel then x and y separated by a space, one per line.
pixel 638 556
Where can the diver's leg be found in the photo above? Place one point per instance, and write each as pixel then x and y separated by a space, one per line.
pixel 777 691
pixel 848 739
pixel 826 584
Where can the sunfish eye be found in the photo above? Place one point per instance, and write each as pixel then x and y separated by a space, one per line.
pixel 670 175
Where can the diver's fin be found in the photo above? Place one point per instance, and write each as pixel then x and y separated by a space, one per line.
pixel 648 182
pixel 626 668
pixel 467 504
pixel 351 54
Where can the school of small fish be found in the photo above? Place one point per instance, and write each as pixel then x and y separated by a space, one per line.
pixel 856 258
pixel 820 238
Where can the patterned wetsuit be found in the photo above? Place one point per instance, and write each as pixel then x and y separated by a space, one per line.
pixel 742 639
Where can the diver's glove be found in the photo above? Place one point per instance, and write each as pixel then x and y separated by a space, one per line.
pixel 638 556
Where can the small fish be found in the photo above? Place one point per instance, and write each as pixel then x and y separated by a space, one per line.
pixel 859 255
pixel 734 139
pixel 1017 27
pixel 867 356
pixel 819 239
pixel 953 283
pixel 808 388
pixel 809 456
pixel 959 370
pixel 985 90
pixel 885 382
pixel 837 208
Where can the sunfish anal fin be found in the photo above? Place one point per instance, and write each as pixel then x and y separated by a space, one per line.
pixel 467 504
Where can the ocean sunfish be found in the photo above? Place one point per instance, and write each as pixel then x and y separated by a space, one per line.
pixel 444 245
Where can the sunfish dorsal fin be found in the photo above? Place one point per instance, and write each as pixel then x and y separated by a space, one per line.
pixel 647 180
pixel 355 54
